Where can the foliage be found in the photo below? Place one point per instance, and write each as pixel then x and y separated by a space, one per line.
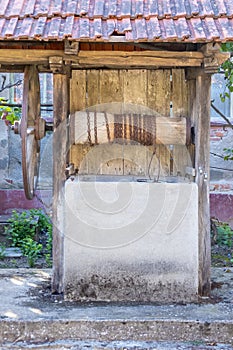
pixel 23 231
pixel 227 67
pixel 228 153
pixel 224 235
pixel 49 246
pixel 7 113
pixel 31 249
pixel 2 251
pixel 221 243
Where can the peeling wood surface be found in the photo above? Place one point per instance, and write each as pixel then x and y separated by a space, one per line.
pixel 61 110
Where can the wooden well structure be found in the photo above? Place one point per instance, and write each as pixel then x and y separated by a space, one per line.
pixel 148 73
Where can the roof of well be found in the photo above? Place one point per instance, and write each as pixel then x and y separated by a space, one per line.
pixel 136 20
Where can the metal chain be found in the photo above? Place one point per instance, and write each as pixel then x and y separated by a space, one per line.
pixel 95 129
pixel 89 128
pixel 107 127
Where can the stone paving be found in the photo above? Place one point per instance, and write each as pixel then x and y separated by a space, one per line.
pixel 31 318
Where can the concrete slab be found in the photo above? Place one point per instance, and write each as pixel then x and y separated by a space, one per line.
pixel 30 315
pixel 130 241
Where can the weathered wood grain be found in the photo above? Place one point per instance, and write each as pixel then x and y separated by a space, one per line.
pixel 202 126
pixel 60 112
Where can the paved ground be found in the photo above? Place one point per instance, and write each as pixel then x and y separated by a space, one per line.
pixel 31 318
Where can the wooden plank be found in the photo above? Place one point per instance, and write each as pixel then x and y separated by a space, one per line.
pixel 135 87
pixel 60 113
pixel 105 58
pixel 92 89
pixel 181 157
pixel 159 90
pixel 169 131
pixel 18 56
pixel 135 61
pixel 111 89
pixel 78 91
pixel 179 93
pixel 146 53
pixel 202 126
pixel 159 97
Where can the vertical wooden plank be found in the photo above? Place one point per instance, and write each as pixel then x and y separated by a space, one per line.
pixel 111 89
pixel 159 97
pixel 202 127
pixel 60 114
pixel 179 93
pixel 78 91
pixel 92 89
pixel 135 87
pixel 181 156
pixel 191 88
pixel 135 103
pixel 159 91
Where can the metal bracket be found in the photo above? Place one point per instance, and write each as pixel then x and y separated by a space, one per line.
pixel 190 171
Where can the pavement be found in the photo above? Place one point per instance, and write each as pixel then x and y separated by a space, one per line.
pixel 30 317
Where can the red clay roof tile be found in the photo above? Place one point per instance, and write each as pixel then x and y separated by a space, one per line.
pixel 137 20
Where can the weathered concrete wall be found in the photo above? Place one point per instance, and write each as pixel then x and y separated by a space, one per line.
pixel 130 241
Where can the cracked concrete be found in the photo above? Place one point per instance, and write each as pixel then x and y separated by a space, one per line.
pixel 30 315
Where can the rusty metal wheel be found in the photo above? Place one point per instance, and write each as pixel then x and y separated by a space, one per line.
pixel 32 129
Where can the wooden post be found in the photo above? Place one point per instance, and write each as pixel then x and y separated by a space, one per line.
pixel 61 110
pixel 202 132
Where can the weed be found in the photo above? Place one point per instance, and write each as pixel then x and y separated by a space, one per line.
pixel 23 232
pixel 31 249
pixel 2 251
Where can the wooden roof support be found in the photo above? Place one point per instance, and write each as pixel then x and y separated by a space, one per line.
pixel 60 113
pixel 202 131
pixel 110 59
pixel 213 57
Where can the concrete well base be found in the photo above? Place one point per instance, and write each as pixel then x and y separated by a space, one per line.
pixel 130 241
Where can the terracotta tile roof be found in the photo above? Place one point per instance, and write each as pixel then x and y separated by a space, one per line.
pixel 136 20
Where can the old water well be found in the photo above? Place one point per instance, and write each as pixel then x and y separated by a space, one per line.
pixel 130 207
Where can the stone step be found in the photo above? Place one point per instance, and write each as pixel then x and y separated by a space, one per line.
pixel 100 333
pixel 31 317
pixel 118 345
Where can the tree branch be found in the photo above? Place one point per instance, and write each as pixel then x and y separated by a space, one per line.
pixel 222 115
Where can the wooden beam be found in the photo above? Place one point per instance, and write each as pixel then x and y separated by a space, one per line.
pixel 213 57
pixel 105 58
pixel 19 56
pixel 61 111
pixel 115 59
pixel 152 129
pixel 202 132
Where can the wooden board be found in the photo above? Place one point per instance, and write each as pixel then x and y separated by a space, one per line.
pixel 78 91
pixel 179 96
pixel 60 113
pixel 159 97
pixel 98 128
pixel 202 142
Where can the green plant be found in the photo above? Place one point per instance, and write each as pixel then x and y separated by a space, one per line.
pixel 227 68
pixel 228 153
pixel 49 245
pixel 224 235
pixel 21 225
pixel 23 231
pixel 7 113
pixel 31 249
pixel 2 251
